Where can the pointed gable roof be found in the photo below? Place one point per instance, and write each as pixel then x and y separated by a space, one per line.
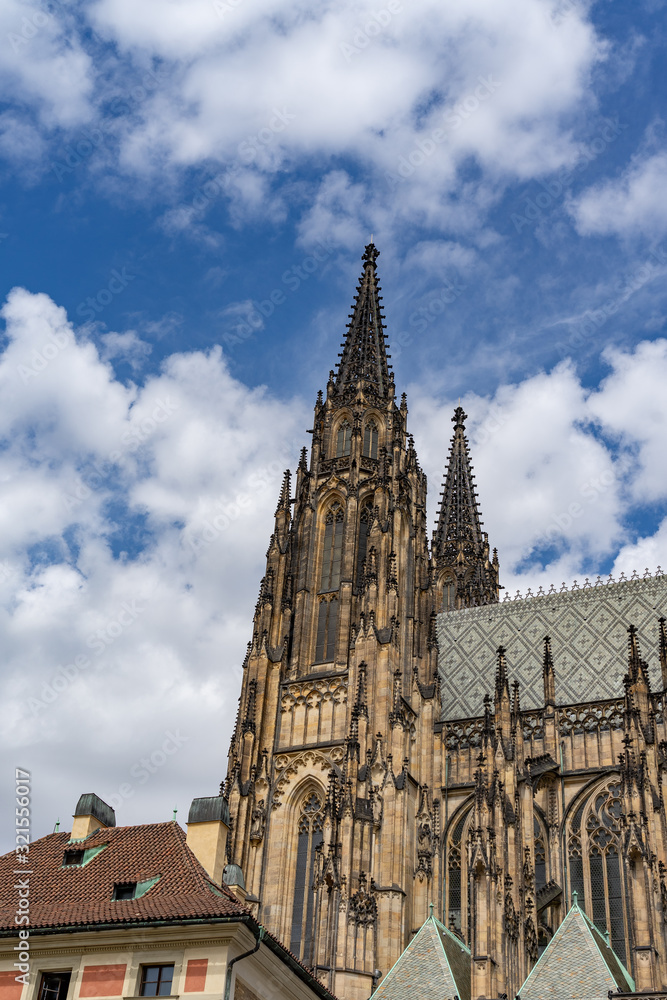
pixel 577 964
pixel 364 356
pixel 434 966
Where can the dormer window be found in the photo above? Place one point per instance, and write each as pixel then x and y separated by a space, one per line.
pixel 72 858
pixel 344 439
pixel 77 857
pixel 133 890
pixel 124 890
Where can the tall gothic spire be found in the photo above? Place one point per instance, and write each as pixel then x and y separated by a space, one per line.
pixel 364 355
pixel 460 547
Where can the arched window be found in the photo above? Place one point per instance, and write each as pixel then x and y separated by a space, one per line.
pixel 310 838
pixel 455 880
pixel 343 439
pixel 449 595
pixel 327 628
pixel 333 550
pixel 595 864
pixel 576 858
pixel 365 522
pixel 371 439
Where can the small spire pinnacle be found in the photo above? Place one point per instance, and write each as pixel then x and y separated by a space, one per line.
pixel 173 818
pixel 663 652
pixel 284 498
pixel 548 675
pixel 502 683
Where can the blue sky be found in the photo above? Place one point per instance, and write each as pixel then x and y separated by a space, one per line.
pixel 186 190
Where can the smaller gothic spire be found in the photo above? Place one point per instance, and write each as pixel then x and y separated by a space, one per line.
pixel 460 547
pixel 663 653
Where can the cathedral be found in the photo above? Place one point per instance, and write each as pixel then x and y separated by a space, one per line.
pixel 418 764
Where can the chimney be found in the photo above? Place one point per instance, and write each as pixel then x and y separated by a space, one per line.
pixel 91 814
pixel 208 826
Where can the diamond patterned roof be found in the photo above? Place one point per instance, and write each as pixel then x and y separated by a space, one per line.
pixel 588 641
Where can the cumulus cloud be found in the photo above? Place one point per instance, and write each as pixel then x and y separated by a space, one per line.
pixel 125 572
pixel 632 204
pixel 405 94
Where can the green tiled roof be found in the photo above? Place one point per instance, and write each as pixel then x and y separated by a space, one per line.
pixel 577 964
pixel 434 966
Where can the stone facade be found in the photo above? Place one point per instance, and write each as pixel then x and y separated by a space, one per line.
pixel 354 803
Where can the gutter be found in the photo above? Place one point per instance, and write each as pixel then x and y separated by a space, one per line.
pixel 246 954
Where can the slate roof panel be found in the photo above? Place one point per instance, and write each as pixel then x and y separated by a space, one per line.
pixel 577 964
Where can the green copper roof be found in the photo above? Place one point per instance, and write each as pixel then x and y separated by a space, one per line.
pixel 577 964
pixel 434 966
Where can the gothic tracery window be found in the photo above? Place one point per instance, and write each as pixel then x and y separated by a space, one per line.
pixel 343 439
pixel 540 856
pixel 309 839
pixel 332 553
pixel 371 439
pixel 595 864
pixel 327 627
pixel 455 875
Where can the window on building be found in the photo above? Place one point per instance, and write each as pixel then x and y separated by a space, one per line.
pixel 309 839
pixel 332 554
pixel 371 439
pixel 595 865
pixel 449 595
pixel 156 980
pixel 327 628
pixel 343 439
pixel 455 879
pixel 124 890
pixel 54 985
pixel 540 856
pixel 365 521
pixel 74 857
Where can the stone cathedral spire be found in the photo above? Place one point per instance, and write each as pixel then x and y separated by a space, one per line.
pixel 460 548
pixel 340 688
pixel 363 362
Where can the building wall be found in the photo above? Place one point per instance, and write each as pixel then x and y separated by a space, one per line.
pixel 108 964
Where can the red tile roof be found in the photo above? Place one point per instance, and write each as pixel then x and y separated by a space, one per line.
pixel 67 899
pixel 79 896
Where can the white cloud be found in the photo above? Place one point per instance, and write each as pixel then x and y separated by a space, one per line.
pixel 43 63
pixel 268 87
pixel 194 459
pixel 632 204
